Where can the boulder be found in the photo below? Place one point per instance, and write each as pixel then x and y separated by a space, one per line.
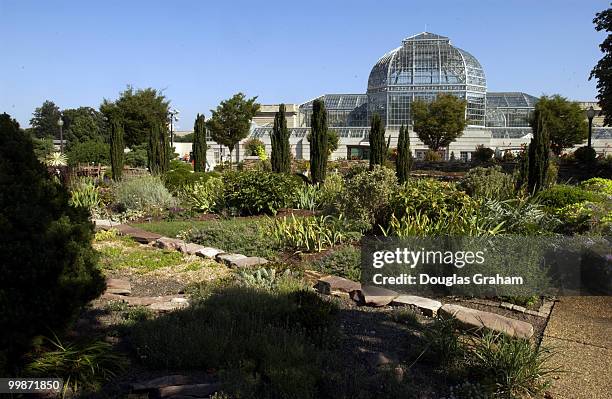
pixel 197 390
pixel 328 284
pixel 472 319
pixel 118 286
pixel 429 307
pixel 228 259
pixel 161 382
pixel 170 244
pixel 208 252
pixel 190 248
pixel 374 296
pixel 249 261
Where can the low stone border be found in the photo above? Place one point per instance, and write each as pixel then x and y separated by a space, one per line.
pixel 544 310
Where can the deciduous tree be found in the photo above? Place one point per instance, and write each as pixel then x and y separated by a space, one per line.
pixel 603 70
pixel 231 121
pixel 44 120
pixel 440 122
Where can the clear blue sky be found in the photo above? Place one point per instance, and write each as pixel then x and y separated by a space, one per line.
pixel 76 53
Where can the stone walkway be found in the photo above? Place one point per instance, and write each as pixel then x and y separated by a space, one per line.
pixel 580 332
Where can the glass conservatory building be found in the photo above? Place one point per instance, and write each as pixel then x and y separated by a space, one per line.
pixel 422 67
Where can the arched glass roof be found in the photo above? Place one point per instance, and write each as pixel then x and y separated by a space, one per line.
pixel 510 100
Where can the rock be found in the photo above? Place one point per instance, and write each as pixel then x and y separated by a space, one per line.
pixel 228 259
pixel 118 286
pixel 149 300
pixel 506 305
pixel 107 296
pixel 168 306
pixel 170 244
pixel 208 252
pixel 179 300
pixel 429 307
pixel 190 248
pixel 518 308
pixel 161 382
pixel 197 390
pixel 376 359
pixel 328 284
pixel 375 296
pixel 249 262
pixel 473 319
pixel 142 236
pixel 105 224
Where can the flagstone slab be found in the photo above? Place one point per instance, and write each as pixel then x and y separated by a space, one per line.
pixel 429 307
pixel 472 319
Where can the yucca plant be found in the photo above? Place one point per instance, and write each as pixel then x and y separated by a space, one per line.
pixel 56 159
pixel 308 197
pixel 309 234
pixel 85 194
pixel 83 366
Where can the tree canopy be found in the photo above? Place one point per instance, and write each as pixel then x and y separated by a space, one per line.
pixel 603 70
pixel 84 124
pixel 440 122
pixel 138 111
pixel 231 121
pixel 565 122
pixel 44 120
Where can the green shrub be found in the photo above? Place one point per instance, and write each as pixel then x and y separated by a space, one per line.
pixel 48 266
pixel 330 192
pixel 598 185
pixel 266 345
pixel 244 236
pixel 585 217
pixel 262 278
pixel 253 147
pixel 488 183
pixel 367 196
pixel 431 208
pixel 145 193
pixel 440 344
pixel 202 196
pixel 482 154
pixel 344 262
pixel 562 195
pixel 256 192
pixel 83 366
pixel 137 156
pixel 89 152
pixel 510 367
pixel 407 316
pixel 181 174
pixel 310 234
pixel 432 156
pixel 585 155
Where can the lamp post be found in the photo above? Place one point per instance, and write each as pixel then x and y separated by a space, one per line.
pixel 590 114
pixel 60 123
pixel 173 112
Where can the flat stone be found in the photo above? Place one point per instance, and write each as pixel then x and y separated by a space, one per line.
pixel 168 380
pixel 374 296
pixel 197 390
pixel 249 262
pixel 190 248
pixel 328 284
pixel 139 235
pixel 179 300
pixel 228 259
pixel 167 306
pixel 429 307
pixel 118 286
pixel 149 300
pixel 376 359
pixel 518 308
pixel 104 224
pixel 532 313
pixel 341 294
pixel 506 305
pixel 472 319
pixel 208 252
pixel 170 244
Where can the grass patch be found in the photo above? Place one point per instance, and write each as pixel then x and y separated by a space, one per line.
pixel 171 228
pixel 407 316
pixel 121 253
pixel 344 262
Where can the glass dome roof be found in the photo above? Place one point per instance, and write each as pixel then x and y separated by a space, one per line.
pixel 427 58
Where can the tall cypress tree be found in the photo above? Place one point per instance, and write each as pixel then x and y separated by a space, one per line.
pixel 159 150
pixel 199 147
pixel 280 158
pixel 116 149
pixel 539 149
pixel 377 142
pixel 318 142
pixel 403 161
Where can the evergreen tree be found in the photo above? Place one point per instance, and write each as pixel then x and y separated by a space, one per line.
pixel 281 161
pixel 378 145
pixel 403 161
pixel 199 147
pixel 318 142
pixel 158 152
pixel 116 150
pixel 539 149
